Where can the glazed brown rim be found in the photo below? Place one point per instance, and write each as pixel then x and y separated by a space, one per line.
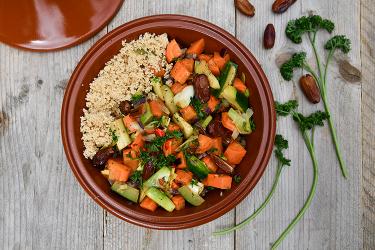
pixel 185 221
pixel 79 40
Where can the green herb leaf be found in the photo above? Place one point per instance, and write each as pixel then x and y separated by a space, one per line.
pixel 193 182
pixel 136 177
pixel 338 42
pixel 296 61
pixel 252 123
pixel 237 178
pixel 154 149
pixel 281 144
pixel 309 122
pixel 198 107
pixel 157 143
pixel 114 136
pixel 285 109
pixel 136 97
pixel 307 24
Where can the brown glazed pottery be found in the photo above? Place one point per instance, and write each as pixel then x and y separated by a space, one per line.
pixel 46 25
pixel 185 30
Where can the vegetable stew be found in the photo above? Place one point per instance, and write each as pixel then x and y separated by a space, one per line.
pixel 170 150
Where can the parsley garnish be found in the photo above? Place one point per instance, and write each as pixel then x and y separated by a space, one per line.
pixel 198 107
pixel 237 178
pixel 136 177
pixel 193 182
pixel 136 97
pixel 114 136
pixel 157 143
pixel 159 160
pixel 285 109
pixel 212 150
pixel 154 151
pixel 252 124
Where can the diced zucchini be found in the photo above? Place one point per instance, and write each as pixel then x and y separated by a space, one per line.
pixel 156 86
pixel 183 98
pixel 190 197
pixel 123 139
pixel 126 191
pixel 187 129
pixel 187 143
pixel 201 67
pixel 197 167
pixel 206 121
pixel 160 198
pixel 228 75
pixel 163 173
pixel 235 98
pixel 153 181
pixel 196 188
pixel 164 121
pixel 168 99
pixel 147 116
pixel 241 120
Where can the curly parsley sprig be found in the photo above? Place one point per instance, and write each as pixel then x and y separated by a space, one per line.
pixel 306 126
pixel 310 26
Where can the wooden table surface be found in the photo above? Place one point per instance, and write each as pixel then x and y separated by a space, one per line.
pixel 42 205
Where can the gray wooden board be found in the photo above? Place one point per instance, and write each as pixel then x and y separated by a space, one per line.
pixel 43 207
pixel 333 220
pixel 368 121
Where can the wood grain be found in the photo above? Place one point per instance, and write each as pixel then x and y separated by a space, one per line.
pixel 336 204
pixel 43 207
pixel 368 119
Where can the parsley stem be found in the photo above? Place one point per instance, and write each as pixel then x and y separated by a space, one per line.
pixel 323 93
pixel 312 41
pixel 326 69
pixel 322 84
pixel 300 214
pixel 259 209
pixel 344 171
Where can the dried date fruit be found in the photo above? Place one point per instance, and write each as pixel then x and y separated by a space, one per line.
pixel 269 36
pixel 309 88
pixel 280 6
pixel 245 7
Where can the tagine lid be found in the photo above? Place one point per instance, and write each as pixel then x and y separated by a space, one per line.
pixel 46 25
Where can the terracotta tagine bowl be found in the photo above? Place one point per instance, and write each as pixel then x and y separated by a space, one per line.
pixel 259 143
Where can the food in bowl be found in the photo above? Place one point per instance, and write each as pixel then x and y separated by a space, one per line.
pixel 165 124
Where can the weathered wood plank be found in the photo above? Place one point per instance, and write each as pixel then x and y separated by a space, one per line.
pixel 368 119
pixel 333 221
pixel 42 205
pixel 122 235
